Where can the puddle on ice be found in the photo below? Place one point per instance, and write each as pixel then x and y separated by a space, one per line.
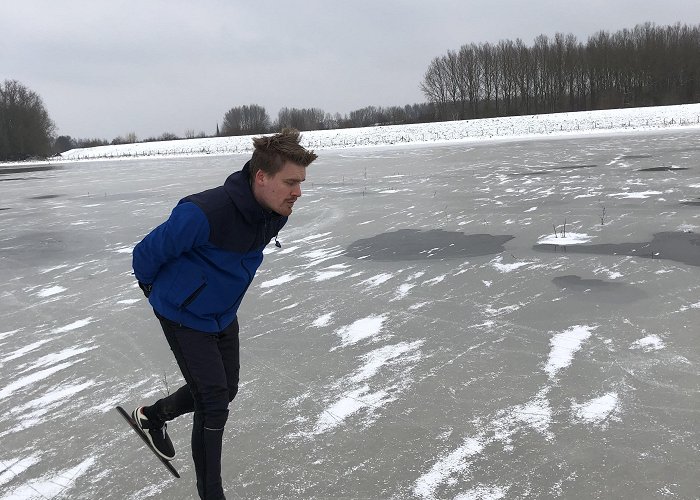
pixel 599 290
pixel 414 244
pixel 681 247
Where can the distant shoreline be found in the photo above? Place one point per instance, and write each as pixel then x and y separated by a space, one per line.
pixel 529 127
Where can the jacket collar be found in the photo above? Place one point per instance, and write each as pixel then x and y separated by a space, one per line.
pixel 239 190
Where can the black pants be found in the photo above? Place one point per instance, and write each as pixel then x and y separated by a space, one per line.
pixel 210 364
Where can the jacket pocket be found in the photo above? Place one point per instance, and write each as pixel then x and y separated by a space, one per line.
pixel 191 297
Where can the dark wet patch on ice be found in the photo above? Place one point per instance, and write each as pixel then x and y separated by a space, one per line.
pixel 414 244
pixel 691 203
pixel 4 208
pixel 45 197
pixel 574 167
pixel 27 169
pixel 661 169
pixel 683 247
pixel 599 290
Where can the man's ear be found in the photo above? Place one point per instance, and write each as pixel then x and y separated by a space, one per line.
pixel 259 178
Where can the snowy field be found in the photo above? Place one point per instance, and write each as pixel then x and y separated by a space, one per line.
pixel 518 127
pixel 479 319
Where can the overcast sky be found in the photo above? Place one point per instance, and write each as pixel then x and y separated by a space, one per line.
pixel 107 68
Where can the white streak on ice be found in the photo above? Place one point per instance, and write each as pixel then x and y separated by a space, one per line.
pixel 326 275
pixel 48 292
pixel 128 302
pixel 377 280
pixel 24 350
pixel 50 486
pixel 564 346
pixel 54 358
pixel 435 281
pixel 17 467
pixel 350 403
pixel 73 326
pixel 62 393
pixel 454 462
pixel 30 379
pixel 483 493
pixel 278 281
pixel 642 195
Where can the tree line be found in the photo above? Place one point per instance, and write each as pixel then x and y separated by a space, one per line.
pixel 646 66
pixel 254 119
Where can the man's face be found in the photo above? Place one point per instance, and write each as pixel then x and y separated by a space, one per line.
pixel 278 192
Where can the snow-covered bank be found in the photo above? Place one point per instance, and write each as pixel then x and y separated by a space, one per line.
pixel 531 126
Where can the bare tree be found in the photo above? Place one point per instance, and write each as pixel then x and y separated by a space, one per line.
pixel 25 127
pixel 245 120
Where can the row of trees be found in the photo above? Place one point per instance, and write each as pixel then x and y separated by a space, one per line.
pixel 254 119
pixel 648 65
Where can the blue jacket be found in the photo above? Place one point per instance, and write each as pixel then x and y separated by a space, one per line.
pixel 201 261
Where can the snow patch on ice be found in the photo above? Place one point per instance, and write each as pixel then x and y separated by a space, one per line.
pixel 323 320
pixel 361 329
pixel 506 268
pixel 402 291
pixel 374 360
pixel 564 346
pixel 561 240
pixel 648 343
pixel 598 410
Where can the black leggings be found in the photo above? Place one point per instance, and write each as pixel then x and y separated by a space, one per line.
pixel 210 364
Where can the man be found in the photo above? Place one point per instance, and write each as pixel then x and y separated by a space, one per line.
pixel 195 269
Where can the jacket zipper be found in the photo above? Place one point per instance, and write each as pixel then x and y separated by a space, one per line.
pixel 193 296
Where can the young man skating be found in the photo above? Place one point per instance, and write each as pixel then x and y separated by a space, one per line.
pixel 195 269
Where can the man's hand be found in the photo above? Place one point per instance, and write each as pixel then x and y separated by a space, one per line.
pixel 146 288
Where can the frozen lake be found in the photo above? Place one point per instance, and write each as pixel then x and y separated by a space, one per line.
pixel 422 332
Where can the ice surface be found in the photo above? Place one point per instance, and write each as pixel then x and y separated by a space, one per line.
pixel 416 336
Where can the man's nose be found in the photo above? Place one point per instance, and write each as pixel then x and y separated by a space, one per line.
pixel 297 191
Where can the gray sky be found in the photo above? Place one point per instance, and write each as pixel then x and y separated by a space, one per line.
pixel 107 68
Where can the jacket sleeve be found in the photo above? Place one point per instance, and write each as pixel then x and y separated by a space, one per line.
pixel 186 228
